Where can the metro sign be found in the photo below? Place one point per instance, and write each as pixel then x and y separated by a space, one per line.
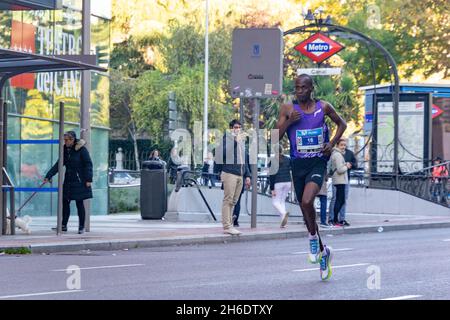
pixel 436 111
pixel 318 47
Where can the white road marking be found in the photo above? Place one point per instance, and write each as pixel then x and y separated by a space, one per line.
pixel 39 294
pixel 403 297
pixel 102 267
pixel 334 267
pixel 306 252
pixel 446 240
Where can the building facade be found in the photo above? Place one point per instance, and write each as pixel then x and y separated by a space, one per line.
pixel 33 100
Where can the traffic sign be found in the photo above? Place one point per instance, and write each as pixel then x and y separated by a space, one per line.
pixel 318 47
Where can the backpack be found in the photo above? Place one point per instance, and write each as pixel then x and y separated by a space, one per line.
pixel 330 169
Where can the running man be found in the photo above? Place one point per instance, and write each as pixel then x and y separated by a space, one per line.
pixel 304 122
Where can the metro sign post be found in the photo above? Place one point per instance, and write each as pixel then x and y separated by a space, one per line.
pixel 318 47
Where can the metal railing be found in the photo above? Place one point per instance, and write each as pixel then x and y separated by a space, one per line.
pixel 187 178
pixel 12 214
pixel 428 186
pixel 419 183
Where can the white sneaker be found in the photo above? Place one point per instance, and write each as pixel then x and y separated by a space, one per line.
pixel 232 231
pixel 325 263
pixel 284 220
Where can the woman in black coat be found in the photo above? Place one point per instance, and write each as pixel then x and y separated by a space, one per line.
pixel 77 180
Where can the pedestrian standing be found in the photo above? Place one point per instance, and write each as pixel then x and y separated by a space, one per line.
pixel 77 179
pixel 349 157
pixel 172 167
pixel 439 175
pixel 280 184
pixel 208 170
pixel 232 162
pixel 323 197
pixel 340 178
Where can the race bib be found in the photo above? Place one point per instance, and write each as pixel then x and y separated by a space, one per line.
pixel 309 140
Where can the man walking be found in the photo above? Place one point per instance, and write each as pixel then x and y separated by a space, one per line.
pixel 231 161
pixel 304 122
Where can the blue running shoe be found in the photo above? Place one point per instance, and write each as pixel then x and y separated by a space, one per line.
pixel 325 263
pixel 314 250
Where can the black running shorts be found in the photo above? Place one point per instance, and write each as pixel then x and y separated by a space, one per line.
pixel 305 171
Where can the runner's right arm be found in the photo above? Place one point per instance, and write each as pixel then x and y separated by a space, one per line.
pixel 287 117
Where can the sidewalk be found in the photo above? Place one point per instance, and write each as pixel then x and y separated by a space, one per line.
pixel 128 231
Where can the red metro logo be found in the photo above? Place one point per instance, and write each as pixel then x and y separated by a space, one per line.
pixel 436 111
pixel 318 47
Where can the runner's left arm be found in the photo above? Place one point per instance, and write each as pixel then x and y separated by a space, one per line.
pixel 341 126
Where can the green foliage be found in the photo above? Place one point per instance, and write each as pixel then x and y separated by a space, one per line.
pixel 341 93
pixel 21 250
pixel 424 25
pixel 180 69
pixel 183 45
pixel 150 99
pixel 127 58
pixel 124 199
pixel 120 97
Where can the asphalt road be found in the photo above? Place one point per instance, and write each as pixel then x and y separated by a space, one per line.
pixel 399 265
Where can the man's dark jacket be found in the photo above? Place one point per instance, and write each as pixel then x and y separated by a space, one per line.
pixel 237 161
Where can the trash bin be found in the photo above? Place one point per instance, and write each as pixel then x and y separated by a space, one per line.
pixel 153 189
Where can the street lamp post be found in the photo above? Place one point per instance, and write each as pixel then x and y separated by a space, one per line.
pixel 85 106
pixel 205 105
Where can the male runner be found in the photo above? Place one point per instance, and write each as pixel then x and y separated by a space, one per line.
pixel 304 122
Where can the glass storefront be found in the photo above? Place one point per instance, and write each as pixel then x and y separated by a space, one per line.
pixel 33 101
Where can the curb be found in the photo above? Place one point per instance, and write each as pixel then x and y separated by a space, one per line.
pixel 213 239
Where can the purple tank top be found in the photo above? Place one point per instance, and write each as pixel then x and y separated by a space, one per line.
pixel 308 135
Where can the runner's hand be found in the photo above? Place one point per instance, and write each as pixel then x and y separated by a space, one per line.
pixel 274 193
pixel 294 116
pixel 327 149
pixel 88 184
pixel 46 180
